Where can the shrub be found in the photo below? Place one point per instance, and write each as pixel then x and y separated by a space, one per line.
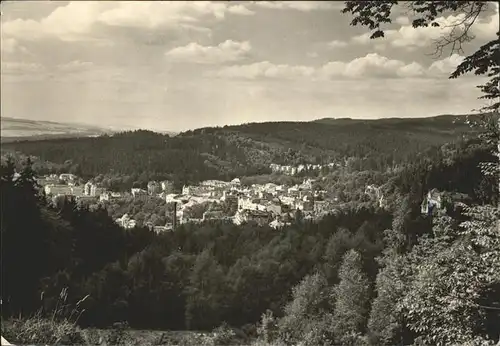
pixel 222 335
pixel 56 327
pixel 39 330
pixel 267 330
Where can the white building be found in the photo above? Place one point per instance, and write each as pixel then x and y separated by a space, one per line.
pixel 214 183
pixel 154 188
pixel 90 189
pixel 126 222
pixel 67 177
pixel 136 192
pixel 274 208
pixel 236 182
pixel 375 193
pixel 53 189
pixel 431 202
pixel 277 224
pixel 172 197
pixel 304 205
pixel 167 186
pixel 287 200
pixel 242 216
pixel 246 203
pixel 307 184
pixel 107 196
pixel 203 190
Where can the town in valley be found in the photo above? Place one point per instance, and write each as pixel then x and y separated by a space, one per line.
pixel 273 204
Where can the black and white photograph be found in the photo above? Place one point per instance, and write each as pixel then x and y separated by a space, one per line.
pixel 254 173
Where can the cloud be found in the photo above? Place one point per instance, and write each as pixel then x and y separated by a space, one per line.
pixel 75 66
pixel 371 66
pixel 240 9
pixel 411 70
pixel 11 45
pixel 486 28
pixel 152 14
pixel 264 69
pixel 305 6
pixel 446 65
pixel 17 67
pixel 69 23
pixel 337 44
pixel 403 20
pixel 380 46
pixel 79 19
pixel 362 39
pixel 407 36
pixel 375 65
pixel 227 51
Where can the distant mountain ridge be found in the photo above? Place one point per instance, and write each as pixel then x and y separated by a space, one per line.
pixel 26 129
pixel 442 118
pixel 17 129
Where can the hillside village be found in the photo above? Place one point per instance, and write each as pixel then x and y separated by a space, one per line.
pixel 273 204
pixel 270 203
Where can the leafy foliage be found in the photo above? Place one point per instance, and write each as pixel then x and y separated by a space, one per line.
pixel 311 301
pixel 352 298
pixel 385 323
pixel 450 273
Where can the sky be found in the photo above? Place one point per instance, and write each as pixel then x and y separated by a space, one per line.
pixel 173 66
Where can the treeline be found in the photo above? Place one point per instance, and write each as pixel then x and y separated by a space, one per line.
pixel 350 278
pixel 134 158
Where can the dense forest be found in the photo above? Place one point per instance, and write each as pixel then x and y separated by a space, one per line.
pixel 136 157
pixel 361 274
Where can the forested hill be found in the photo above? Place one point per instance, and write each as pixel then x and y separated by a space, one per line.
pixel 229 151
pixel 388 139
